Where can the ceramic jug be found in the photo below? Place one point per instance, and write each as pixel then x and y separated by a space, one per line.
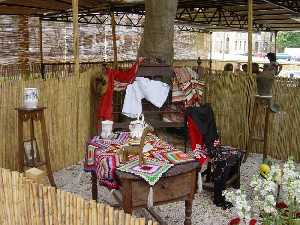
pixel 31 97
pixel 107 127
pixel 137 127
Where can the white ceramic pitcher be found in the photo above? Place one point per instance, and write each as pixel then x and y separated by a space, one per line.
pixel 137 127
pixel 107 127
pixel 31 97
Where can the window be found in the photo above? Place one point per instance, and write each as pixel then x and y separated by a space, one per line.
pixel 256 46
pixel 266 46
pixel 227 45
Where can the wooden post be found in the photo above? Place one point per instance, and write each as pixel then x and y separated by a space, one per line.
pixel 250 31
pixel 114 39
pixel 75 37
pixel 23 48
pixel 271 42
pixel 41 48
pixel 210 52
pixel 275 50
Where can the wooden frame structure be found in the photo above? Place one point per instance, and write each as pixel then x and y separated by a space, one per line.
pixel 192 15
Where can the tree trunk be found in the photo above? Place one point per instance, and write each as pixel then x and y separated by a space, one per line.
pixel 158 36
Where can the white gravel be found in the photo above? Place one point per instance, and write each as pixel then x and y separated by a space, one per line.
pixel 75 180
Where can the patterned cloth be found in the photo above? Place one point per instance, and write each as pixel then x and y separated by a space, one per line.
pixel 186 87
pixel 97 146
pixel 101 156
pixel 106 169
pixel 174 157
pixel 151 171
pixel 201 153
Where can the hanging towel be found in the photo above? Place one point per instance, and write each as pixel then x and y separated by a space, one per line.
pixel 154 91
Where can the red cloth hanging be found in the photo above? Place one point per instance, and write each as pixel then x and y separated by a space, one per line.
pixel 104 111
pixel 195 135
pixel 196 140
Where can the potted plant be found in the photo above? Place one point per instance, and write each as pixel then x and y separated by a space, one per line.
pixel 275 198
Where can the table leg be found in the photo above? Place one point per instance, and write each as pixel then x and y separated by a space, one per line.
pixel 127 196
pixel 188 211
pixel 46 149
pixel 21 144
pixel 32 137
pixel 94 185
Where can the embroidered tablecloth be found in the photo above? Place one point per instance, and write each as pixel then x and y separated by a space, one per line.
pixel 151 171
pixel 101 157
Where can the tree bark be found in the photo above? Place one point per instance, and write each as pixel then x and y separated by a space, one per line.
pixel 158 36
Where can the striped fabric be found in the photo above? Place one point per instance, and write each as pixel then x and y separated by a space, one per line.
pixel 186 87
pixel 97 146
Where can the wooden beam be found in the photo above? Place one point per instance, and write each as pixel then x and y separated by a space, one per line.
pixel 37 5
pixel 75 36
pixel 14 10
pixel 250 31
pixel 114 39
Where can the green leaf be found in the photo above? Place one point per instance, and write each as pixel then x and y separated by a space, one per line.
pixel 288 39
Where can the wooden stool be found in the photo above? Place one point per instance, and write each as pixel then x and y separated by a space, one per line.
pixel 264 101
pixel 36 114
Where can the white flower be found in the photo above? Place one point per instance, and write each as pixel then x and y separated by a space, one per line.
pixel 275 173
pixel 265 192
pixel 269 204
pixel 239 200
pixel 256 183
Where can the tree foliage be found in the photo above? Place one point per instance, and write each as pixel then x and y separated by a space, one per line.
pixel 288 39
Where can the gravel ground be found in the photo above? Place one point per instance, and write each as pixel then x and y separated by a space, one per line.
pixel 75 180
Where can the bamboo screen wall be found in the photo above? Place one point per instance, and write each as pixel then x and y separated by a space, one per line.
pixel 71 110
pixel 25 202
pixel 232 97
pixel 69 117
pixel 20 41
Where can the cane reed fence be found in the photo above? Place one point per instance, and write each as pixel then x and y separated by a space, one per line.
pixel 24 202
pixel 69 116
pixel 65 69
pixel 71 103
pixel 232 98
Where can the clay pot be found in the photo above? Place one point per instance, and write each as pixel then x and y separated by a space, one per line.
pixel 264 84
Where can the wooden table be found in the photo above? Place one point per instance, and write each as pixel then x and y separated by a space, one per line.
pixel 33 114
pixel 178 184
